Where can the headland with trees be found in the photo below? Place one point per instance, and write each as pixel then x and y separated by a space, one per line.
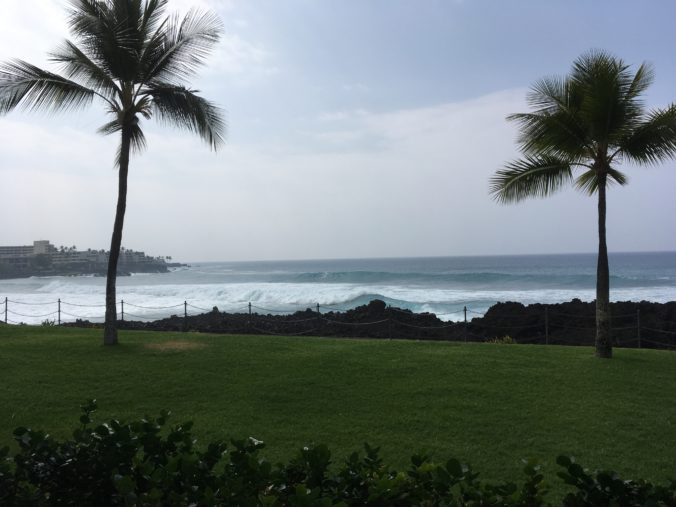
pixel 44 259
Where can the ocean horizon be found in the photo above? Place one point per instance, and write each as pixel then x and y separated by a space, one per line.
pixel 404 257
pixel 440 285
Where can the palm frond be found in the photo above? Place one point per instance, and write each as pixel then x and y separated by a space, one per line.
pixel 530 177
pixel 127 12
pixel 554 127
pixel 548 95
pixel 152 30
pixel 144 107
pixel 35 89
pixel 78 66
pixel 153 16
pixel 594 64
pixel 90 22
pixel 108 32
pixel 654 140
pixel 182 49
pixel 110 128
pixel 137 139
pixel 644 77
pixel 83 14
pixel 183 108
pixel 612 104
pixel 618 177
pixel 588 182
pixel 153 51
pixel 559 133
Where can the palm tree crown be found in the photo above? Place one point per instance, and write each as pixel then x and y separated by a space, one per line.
pixel 581 128
pixel 133 58
pixel 592 120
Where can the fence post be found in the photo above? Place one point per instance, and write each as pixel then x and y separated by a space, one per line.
pixel 546 325
pixel 464 331
pixel 122 307
pixel 6 309
pixel 638 327
pixel 59 312
pixel 249 308
pixel 185 315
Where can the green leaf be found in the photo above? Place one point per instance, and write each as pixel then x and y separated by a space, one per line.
pixel 564 461
pixel 124 484
pixel 455 468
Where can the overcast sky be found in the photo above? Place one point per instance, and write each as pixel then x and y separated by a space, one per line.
pixel 356 128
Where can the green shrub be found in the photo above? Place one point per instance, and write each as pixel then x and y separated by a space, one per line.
pixel 607 488
pixel 145 462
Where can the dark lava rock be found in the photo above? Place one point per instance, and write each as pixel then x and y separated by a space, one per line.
pixel 571 323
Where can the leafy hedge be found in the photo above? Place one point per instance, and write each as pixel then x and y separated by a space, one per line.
pixel 145 462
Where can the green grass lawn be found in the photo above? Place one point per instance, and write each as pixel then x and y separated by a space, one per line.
pixel 489 405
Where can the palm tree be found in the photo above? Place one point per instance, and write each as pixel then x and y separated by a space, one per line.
pixel 590 122
pixel 134 59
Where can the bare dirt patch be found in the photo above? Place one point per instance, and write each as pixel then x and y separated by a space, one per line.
pixel 175 345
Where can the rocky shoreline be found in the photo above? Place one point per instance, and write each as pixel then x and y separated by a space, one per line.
pixel 644 324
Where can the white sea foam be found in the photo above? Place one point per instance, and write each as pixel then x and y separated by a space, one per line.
pixel 157 301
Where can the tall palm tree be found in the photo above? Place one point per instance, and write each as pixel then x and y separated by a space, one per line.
pixel 581 129
pixel 134 59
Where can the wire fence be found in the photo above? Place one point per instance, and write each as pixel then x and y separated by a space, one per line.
pixel 547 327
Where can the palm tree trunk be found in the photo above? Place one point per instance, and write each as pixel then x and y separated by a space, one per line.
pixel 604 347
pixel 110 326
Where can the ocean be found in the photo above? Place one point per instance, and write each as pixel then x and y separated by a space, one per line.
pixel 440 285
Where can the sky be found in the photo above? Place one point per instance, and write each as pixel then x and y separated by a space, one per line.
pixel 356 128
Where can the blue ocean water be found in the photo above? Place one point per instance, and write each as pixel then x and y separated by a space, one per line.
pixel 441 285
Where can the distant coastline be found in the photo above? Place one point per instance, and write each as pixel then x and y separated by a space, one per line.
pixel 44 259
